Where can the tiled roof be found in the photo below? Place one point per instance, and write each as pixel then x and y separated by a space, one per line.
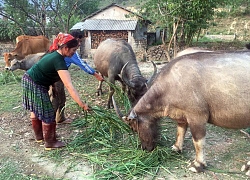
pixel 105 24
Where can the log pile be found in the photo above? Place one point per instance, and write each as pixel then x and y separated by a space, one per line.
pixel 99 36
pixel 156 53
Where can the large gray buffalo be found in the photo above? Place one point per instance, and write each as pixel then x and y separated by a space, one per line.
pixel 191 50
pixel 115 57
pixel 195 89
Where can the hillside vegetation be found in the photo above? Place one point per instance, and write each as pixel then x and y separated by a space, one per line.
pixel 226 22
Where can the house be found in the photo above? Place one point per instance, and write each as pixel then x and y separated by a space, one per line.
pixel 112 21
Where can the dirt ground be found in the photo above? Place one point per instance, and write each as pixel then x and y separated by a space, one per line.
pixel 17 143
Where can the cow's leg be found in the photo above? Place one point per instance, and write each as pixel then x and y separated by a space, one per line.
pixel 198 131
pixel 111 91
pixel 122 83
pixel 58 99
pixel 181 131
pixel 246 168
pixel 99 89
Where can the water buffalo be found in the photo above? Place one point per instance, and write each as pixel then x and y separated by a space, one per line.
pixel 26 63
pixel 191 50
pixel 114 56
pixel 195 89
pixel 27 45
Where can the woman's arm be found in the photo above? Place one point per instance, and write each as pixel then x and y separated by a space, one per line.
pixel 75 59
pixel 66 79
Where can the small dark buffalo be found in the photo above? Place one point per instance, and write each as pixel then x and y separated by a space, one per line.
pixel 195 89
pixel 114 57
pixel 26 63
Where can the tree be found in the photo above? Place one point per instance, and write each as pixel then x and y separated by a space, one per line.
pixel 183 19
pixel 46 17
pixel 8 31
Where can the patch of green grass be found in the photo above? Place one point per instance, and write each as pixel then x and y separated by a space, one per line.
pixel 10 91
pixel 8 77
pixel 10 170
pixel 220 45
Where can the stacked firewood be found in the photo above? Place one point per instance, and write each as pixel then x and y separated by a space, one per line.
pixel 98 36
pixel 156 53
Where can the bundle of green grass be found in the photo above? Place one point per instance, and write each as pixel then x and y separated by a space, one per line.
pixel 8 77
pixel 113 149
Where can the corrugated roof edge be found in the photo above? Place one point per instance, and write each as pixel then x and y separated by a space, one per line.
pixel 105 24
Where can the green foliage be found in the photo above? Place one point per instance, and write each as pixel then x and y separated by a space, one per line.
pixel 8 30
pixel 190 16
pixel 46 17
pixel 87 7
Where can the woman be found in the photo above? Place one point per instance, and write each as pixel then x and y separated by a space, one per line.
pixel 57 93
pixel 36 81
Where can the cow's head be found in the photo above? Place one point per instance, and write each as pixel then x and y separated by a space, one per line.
pixel 136 89
pixel 145 126
pixel 15 64
pixel 137 86
pixel 8 57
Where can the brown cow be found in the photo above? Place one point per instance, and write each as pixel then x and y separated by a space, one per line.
pixel 21 37
pixel 28 45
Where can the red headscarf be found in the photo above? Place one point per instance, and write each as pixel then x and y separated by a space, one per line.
pixel 60 40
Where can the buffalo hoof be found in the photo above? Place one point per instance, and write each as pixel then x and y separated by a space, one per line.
pixel 246 167
pixel 109 106
pixel 98 92
pixel 176 149
pixel 196 167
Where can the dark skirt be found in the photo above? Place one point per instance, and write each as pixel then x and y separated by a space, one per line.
pixel 37 100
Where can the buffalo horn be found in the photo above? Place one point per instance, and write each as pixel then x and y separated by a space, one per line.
pixel 117 110
pixel 124 78
pixel 149 82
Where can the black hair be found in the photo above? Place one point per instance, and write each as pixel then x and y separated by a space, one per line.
pixel 72 43
pixel 76 34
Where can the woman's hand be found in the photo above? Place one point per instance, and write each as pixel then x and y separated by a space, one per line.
pixel 98 76
pixel 86 108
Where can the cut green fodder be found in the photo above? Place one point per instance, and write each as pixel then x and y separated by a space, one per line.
pixel 8 77
pixel 108 143
pixel 99 129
